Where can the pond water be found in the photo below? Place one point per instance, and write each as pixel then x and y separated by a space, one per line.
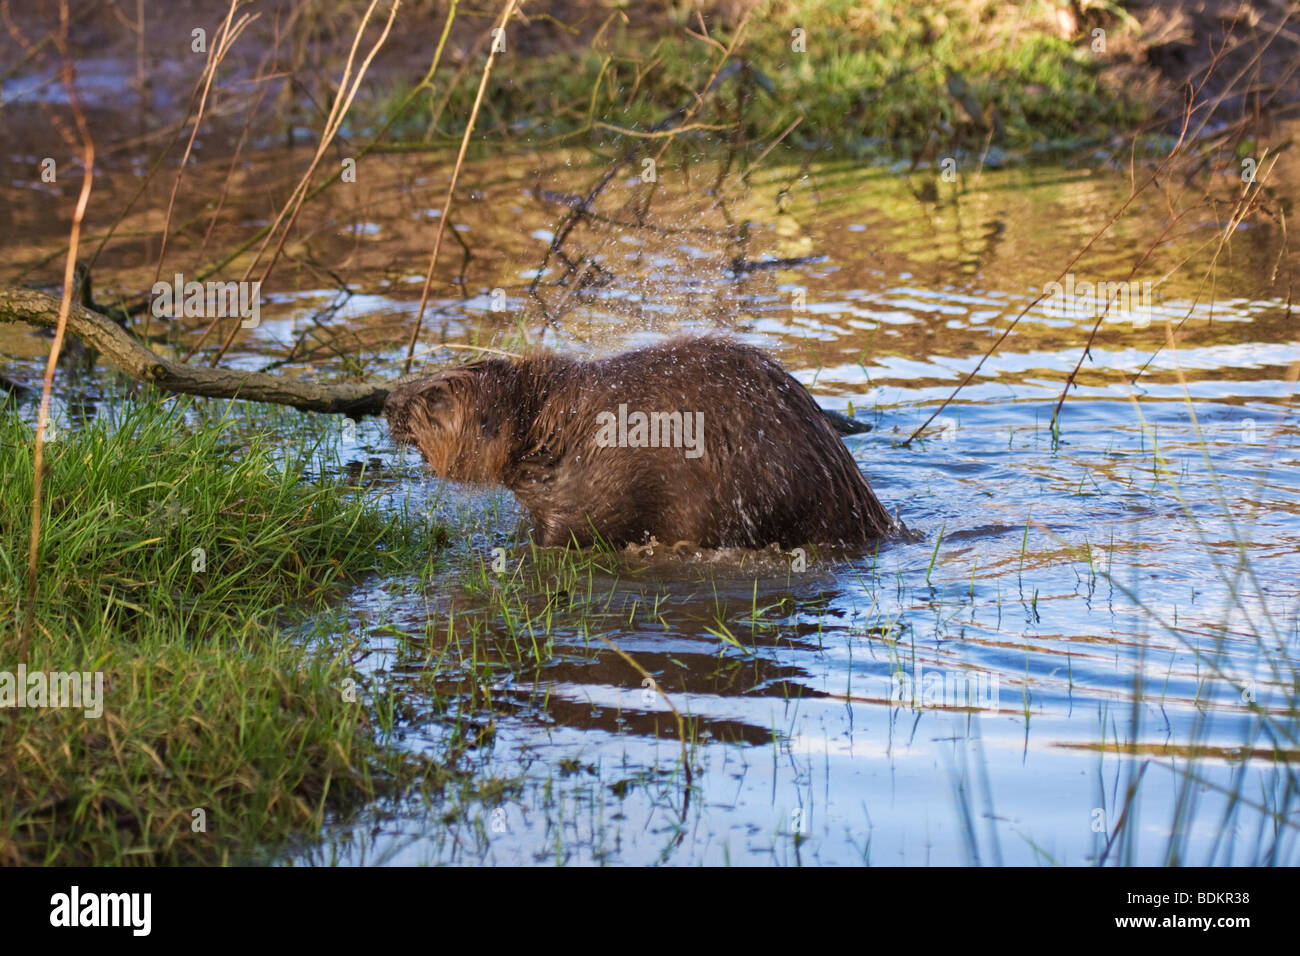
pixel 1088 653
pixel 969 696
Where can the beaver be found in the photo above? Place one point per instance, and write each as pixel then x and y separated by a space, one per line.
pixel 698 439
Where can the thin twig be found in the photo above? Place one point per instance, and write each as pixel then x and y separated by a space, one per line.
pixel 65 305
pixel 1096 326
pixel 226 37
pixel 771 146
pixel 1115 217
pixel 451 187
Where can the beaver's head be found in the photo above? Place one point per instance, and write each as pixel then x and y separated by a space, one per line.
pixel 462 420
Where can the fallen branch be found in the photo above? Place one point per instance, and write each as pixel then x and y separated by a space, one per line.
pixel 353 399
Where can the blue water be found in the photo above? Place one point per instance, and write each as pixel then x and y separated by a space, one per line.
pixel 1117 609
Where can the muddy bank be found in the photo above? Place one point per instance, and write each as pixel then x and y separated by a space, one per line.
pixel 1243 58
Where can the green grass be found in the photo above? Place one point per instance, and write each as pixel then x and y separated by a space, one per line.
pixel 209 703
pixel 955 77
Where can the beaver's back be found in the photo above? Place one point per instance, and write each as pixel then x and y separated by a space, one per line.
pixel 767 468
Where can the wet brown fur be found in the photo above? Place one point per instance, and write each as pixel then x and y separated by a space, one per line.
pixel 773 469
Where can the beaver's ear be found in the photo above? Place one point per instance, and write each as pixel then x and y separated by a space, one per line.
pixel 436 401
pixel 424 403
pixel 429 395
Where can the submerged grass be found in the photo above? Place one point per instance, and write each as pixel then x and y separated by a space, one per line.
pixel 176 539
pixel 536 617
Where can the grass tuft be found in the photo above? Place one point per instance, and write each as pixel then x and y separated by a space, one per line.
pixel 179 541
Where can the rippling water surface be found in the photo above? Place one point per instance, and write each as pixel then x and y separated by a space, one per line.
pixel 1087 629
pixel 1111 613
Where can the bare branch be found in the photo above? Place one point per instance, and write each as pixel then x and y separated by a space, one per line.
pixel 132 357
